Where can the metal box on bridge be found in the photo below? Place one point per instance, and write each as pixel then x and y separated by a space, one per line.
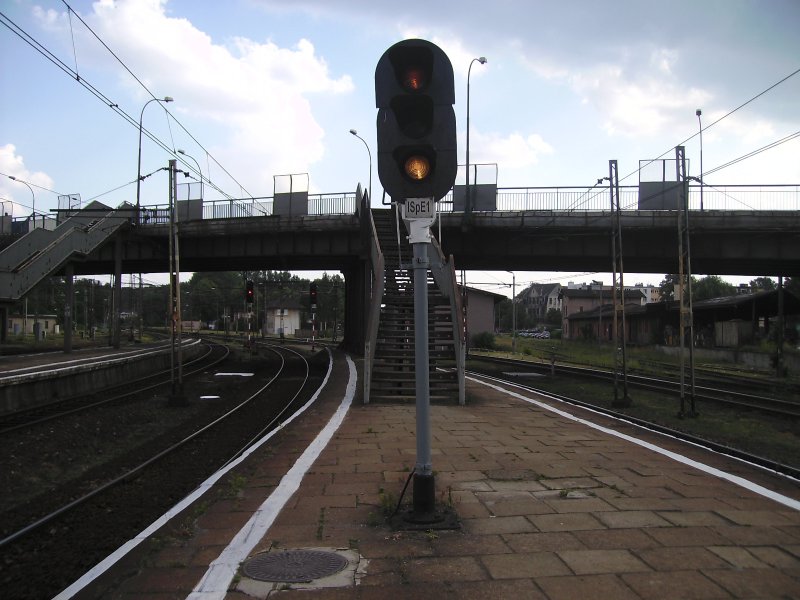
pixel 482 188
pixel 290 195
pixel 659 188
pixel 190 201
pixel 484 197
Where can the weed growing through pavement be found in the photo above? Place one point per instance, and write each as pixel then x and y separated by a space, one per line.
pixel 448 499
pixel 388 502
pixel 321 523
pixel 236 484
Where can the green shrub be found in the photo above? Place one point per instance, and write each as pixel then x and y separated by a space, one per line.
pixel 483 340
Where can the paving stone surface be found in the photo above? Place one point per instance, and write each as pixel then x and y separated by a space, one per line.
pixel 549 508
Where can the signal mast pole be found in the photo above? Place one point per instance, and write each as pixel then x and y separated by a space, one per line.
pixel 417 165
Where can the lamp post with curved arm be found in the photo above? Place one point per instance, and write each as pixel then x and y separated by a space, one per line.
pixel 199 170
pixel 139 168
pixel 468 199
pixel 355 133
pixel 33 196
pixel 699 112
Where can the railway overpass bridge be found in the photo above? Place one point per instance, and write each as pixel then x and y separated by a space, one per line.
pixel 741 230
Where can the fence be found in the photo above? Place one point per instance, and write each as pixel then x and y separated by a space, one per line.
pixel 561 199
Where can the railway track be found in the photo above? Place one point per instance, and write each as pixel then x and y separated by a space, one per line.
pixel 748 457
pixel 83 520
pixel 731 397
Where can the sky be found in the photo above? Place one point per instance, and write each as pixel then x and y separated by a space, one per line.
pixel 265 88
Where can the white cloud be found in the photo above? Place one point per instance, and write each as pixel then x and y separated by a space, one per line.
pixel 514 151
pixel 256 92
pixel 644 105
pixel 16 197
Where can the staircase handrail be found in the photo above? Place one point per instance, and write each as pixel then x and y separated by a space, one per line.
pixel 20 251
pixel 444 274
pixel 71 240
pixel 377 281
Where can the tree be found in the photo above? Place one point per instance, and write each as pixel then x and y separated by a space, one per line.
pixel 792 284
pixel 766 284
pixel 667 286
pixel 712 286
pixel 554 317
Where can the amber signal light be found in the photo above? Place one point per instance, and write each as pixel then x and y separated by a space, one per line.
pixel 417 167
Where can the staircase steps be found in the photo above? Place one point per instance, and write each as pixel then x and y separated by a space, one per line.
pixel 394 363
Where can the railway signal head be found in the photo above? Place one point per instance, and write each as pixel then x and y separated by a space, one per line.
pixel 416 124
pixel 312 294
pixel 249 292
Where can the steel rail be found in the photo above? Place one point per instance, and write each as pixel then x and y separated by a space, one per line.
pixel 731 397
pixel 765 463
pixel 142 466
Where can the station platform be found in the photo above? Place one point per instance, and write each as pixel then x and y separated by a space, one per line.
pixel 554 502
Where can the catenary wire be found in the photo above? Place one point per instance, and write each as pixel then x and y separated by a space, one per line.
pixel 73 74
pixel 141 83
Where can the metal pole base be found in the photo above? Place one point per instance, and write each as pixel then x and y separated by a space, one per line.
pixel 177 397
pixel 424 498
pixel 624 402
pixel 424 515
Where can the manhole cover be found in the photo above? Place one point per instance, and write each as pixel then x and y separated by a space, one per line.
pixel 294 566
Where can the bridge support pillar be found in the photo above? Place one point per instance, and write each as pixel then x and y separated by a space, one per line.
pixel 3 324
pixel 116 295
pixel 69 305
pixel 355 307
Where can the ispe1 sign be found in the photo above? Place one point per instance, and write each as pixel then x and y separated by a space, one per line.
pixel 419 208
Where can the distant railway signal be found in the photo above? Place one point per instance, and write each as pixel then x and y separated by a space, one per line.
pixel 249 292
pixel 312 294
pixel 416 123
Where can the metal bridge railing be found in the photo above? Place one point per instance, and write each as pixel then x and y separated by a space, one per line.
pixel 559 199
pixel 574 199
pixel 343 203
pixel 783 197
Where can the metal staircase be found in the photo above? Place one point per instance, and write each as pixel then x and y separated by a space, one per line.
pixel 392 361
pixel 41 252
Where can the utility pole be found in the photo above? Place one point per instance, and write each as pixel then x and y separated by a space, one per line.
pixel 686 318
pixel 177 397
pixel 616 253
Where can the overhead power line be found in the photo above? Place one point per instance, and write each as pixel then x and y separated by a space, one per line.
pixel 709 126
pixel 74 75
pixel 774 144
pixel 141 83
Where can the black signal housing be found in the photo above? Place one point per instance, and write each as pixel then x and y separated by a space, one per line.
pixel 414 94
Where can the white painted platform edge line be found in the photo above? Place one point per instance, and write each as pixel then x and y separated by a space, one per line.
pixel 218 577
pixel 735 479
pixel 117 555
pixel 644 427
pixel 68 364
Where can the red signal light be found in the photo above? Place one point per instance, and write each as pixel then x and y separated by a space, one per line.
pixel 414 79
pixel 312 294
pixel 249 293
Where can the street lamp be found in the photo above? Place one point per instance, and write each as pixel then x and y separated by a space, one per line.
pixel 355 133
pixel 199 170
pixel 513 311
pixel 33 208
pixel 467 199
pixel 139 168
pixel 699 112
